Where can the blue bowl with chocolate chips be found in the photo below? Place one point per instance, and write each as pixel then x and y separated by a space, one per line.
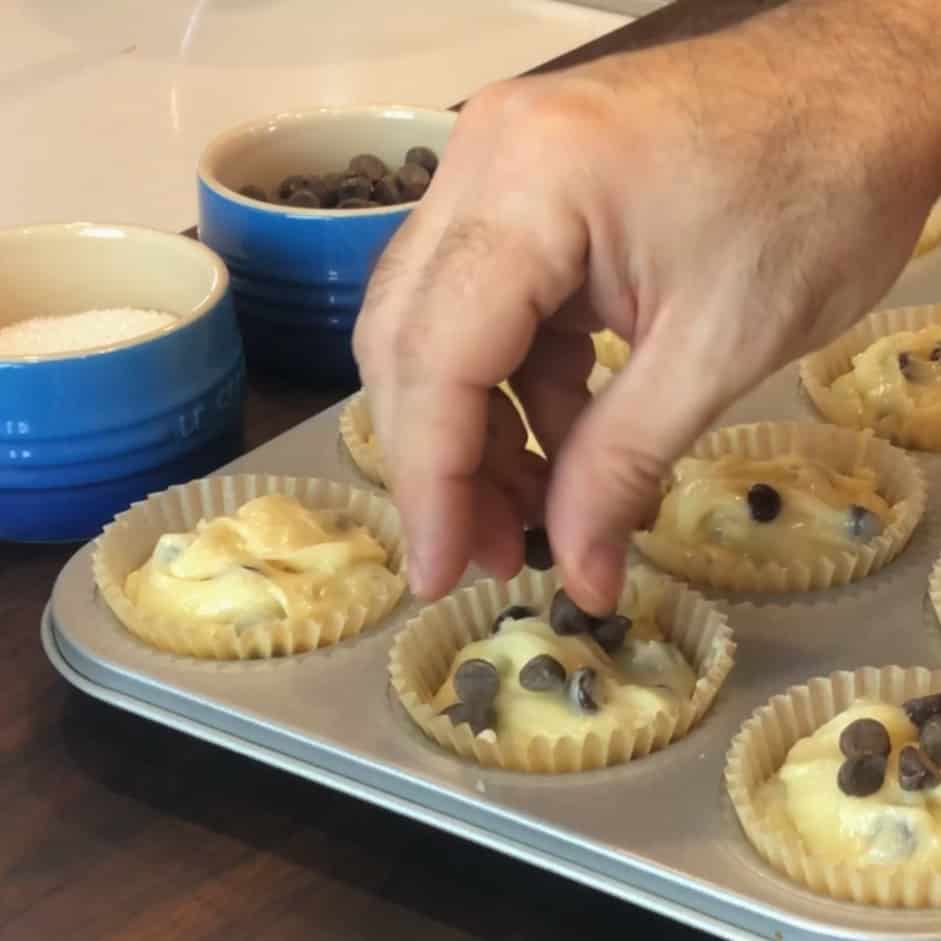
pixel 300 261
pixel 121 373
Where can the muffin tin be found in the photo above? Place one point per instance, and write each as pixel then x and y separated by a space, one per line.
pixel 659 831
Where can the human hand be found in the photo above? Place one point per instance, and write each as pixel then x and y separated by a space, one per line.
pixel 725 205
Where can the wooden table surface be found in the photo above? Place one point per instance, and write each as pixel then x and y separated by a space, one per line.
pixel 116 829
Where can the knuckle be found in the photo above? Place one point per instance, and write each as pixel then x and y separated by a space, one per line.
pixel 489 103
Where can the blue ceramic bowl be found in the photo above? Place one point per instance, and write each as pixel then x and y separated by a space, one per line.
pixel 299 275
pixel 84 434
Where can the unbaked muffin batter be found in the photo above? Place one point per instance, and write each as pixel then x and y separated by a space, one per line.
pixel 770 510
pixel 863 788
pixel 898 375
pixel 562 672
pixel 610 350
pixel 273 560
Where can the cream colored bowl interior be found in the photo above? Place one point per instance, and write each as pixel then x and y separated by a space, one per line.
pixel 55 270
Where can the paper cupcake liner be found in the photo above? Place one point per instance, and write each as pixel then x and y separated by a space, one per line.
pixel 424 650
pixel 759 750
pixel 820 370
pixel 898 480
pixel 128 542
pixel 934 588
pixel 355 430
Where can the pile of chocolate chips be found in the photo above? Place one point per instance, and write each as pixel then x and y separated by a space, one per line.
pixel 919 765
pixel 366 183
pixel 477 682
pixel 865 744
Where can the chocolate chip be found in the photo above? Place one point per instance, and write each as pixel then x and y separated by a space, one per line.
pixel 566 617
pixel 479 719
pixel 865 737
pixel 316 185
pixel 536 549
pixel 304 198
pixel 515 612
pixel 354 203
pixel 764 503
pixel 935 354
pixel 930 739
pixel 923 708
pixel 905 361
pixel 610 632
pixel 477 682
pixel 424 156
pixel 387 191
pixel 354 187
pixel 369 166
pixel 250 191
pixel 862 775
pixel 583 690
pixel 542 673
pixel 864 524
pixel 331 189
pixel 413 180
pixel 291 183
pixel 915 770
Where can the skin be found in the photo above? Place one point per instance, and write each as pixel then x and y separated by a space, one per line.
pixel 726 204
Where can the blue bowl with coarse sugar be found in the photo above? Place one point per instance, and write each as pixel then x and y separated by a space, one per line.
pixel 121 373
pixel 299 274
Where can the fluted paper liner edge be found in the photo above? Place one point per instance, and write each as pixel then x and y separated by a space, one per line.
pixel 424 650
pixel 899 481
pixel 759 750
pixel 934 587
pixel 355 429
pixel 127 542
pixel 819 370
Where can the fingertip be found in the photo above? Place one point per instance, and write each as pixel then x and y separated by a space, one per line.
pixel 594 580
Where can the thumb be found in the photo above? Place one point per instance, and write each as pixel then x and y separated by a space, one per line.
pixel 607 478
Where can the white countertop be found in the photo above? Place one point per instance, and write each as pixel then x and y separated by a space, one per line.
pixel 105 106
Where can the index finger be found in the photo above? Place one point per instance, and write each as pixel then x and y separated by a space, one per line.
pixel 430 352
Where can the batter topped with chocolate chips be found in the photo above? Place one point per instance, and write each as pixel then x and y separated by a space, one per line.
pixel 897 375
pixel 778 510
pixel 563 672
pixel 864 788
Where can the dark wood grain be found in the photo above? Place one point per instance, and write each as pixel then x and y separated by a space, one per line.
pixel 116 829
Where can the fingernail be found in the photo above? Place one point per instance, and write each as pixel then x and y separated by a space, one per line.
pixel 601 573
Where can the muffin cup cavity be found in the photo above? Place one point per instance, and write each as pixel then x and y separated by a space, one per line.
pixel 820 370
pixel 423 651
pixel 128 542
pixel 898 479
pixel 759 750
